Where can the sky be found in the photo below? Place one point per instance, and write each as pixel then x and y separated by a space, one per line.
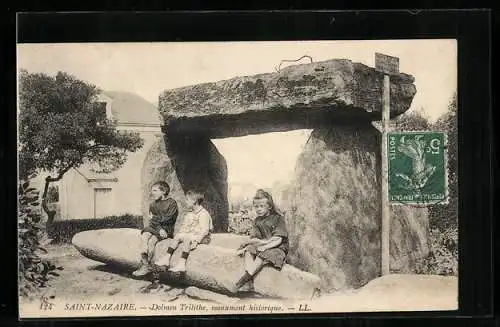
pixel 149 68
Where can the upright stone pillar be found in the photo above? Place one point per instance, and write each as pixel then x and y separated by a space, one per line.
pixel 334 214
pixel 189 162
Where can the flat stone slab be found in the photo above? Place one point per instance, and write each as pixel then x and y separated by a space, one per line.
pixel 210 267
pixel 201 294
pixel 297 96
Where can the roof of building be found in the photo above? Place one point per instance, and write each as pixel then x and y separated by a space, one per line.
pixel 126 108
pixel 129 107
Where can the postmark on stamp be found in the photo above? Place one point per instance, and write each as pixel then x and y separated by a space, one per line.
pixel 417 167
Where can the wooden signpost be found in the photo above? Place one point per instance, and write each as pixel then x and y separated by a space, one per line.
pixel 389 66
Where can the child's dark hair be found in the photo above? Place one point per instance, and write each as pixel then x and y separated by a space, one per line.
pixel 261 194
pixel 198 196
pixel 162 186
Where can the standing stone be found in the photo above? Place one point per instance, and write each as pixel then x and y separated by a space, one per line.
pixel 158 167
pixel 334 214
pixel 189 162
pixel 409 238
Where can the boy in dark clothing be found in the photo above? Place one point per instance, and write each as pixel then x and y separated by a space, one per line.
pixel 164 213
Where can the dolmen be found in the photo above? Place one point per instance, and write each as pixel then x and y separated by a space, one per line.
pixel 215 267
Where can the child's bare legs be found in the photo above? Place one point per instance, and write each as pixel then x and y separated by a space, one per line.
pixel 253 265
pixel 185 245
pixel 146 239
pixel 165 261
pixel 249 258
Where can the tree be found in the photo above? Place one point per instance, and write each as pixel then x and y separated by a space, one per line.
pixel 443 222
pixel 441 216
pixel 34 270
pixel 61 126
pixel 411 121
pixel 444 216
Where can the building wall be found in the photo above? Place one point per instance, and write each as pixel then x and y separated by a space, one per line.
pixel 128 194
pixel 78 194
pixel 74 194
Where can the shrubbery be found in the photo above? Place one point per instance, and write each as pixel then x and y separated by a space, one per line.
pixel 64 230
pixel 443 218
pixel 443 256
pixel 34 271
pixel 241 217
pixel 240 222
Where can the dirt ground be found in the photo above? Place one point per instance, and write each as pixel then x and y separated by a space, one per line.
pixel 86 280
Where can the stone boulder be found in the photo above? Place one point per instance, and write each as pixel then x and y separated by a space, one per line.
pixel 334 211
pixel 298 96
pixel 209 267
pixel 201 294
pixel 228 240
pixel 188 162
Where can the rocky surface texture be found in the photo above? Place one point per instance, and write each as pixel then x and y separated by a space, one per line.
pixel 298 96
pixel 189 162
pixel 209 267
pixel 334 211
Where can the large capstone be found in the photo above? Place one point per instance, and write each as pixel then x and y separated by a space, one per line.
pixel 299 96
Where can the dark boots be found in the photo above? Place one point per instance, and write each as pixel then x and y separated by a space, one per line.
pixel 145 267
pixel 243 280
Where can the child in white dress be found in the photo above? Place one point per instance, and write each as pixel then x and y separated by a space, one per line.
pixel 195 229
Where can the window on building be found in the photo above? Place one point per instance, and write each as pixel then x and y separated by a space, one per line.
pixel 103 202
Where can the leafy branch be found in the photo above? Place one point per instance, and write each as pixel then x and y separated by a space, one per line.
pixel 34 271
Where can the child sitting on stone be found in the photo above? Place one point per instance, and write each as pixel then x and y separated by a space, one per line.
pixel 163 211
pixel 269 239
pixel 195 229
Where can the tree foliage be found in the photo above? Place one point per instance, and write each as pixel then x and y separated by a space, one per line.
pixel 443 219
pixel 61 126
pixel 411 121
pixel 441 216
pixel 444 216
pixel 34 271
pixel 443 257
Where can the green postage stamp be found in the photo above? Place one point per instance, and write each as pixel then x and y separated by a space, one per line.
pixel 417 167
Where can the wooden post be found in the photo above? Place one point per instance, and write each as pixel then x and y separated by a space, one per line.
pixel 386 213
pixel 387 65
